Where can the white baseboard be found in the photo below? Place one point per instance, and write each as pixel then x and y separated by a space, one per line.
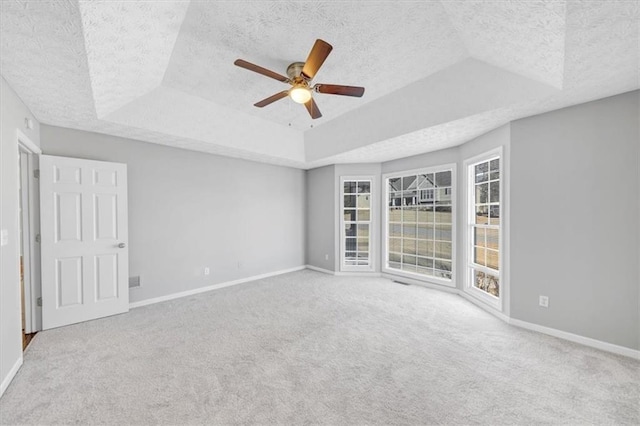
pixel 357 274
pixel 483 306
pixel 324 271
pixel 587 341
pixel 12 373
pixel 426 281
pixel 345 273
pixel 412 281
pixel 211 287
pixel 576 338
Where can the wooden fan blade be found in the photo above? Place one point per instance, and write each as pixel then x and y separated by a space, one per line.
pixel 272 99
pixel 317 56
pixel 256 68
pixel 336 89
pixel 313 109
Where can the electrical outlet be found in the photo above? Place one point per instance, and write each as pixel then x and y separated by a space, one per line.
pixel 544 301
pixel 326 257
pixel 4 237
pixel 207 271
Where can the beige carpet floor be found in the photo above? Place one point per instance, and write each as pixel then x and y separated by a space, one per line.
pixel 308 348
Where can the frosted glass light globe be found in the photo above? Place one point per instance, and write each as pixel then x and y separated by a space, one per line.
pixel 300 94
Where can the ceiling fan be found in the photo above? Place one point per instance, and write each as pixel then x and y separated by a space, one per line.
pixel 299 77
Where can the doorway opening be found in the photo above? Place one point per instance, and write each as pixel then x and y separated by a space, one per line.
pixel 28 241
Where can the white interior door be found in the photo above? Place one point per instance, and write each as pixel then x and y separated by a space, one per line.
pixel 84 235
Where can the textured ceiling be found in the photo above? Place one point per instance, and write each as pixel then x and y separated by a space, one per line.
pixel 370 50
pixel 437 73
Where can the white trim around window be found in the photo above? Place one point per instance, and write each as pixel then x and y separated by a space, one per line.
pixel 414 276
pixel 362 255
pixel 496 302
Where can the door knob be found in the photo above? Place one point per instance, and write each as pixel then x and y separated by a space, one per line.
pixel 122 245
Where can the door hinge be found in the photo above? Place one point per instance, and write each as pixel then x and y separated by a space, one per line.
pixel 38 238
pixel 39 301
pixel 36 173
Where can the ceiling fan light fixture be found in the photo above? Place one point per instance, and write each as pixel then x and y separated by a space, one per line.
pixel 300 94
pixel 299 77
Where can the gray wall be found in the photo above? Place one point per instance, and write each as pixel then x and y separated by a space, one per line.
pixel 190 210
pixel 575 213
pixel 12 115
pixel 321 217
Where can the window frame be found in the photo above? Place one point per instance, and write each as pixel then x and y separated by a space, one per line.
pixel 384 260
pixel 370 267
pixel 469 266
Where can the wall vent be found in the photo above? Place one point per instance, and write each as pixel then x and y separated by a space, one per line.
pixel 134 281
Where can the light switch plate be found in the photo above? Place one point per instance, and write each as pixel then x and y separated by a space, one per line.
pixel 4 237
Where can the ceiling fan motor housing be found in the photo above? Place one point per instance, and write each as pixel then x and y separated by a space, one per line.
pixel 294 71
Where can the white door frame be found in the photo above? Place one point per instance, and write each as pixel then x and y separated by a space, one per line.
pixel 31 228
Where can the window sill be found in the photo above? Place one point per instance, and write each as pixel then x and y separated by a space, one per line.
pixel 481 296
pixel 367 268
pixel 419 278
